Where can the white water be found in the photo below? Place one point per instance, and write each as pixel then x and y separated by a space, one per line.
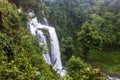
pixel 43 42
pixel 53 57
pixel 111 78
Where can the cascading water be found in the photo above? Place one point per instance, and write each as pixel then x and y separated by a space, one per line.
pixel 52 55
pixel 43 42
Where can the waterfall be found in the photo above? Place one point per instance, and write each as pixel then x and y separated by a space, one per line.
pixel 52 55
pixel 43 42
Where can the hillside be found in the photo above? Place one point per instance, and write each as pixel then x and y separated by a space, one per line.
pixel 88 33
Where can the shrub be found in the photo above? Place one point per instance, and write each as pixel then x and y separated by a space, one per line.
pixel 79 70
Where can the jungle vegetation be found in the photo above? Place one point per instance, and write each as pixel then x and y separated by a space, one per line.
pixel 88 31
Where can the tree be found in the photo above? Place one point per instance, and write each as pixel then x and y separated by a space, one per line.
pixel 20 52
pixel 89 38
pixel 79 70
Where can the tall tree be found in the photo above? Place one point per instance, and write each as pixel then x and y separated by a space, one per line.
pixel 89 38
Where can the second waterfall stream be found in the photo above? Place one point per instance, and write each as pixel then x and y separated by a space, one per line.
pixel 52 53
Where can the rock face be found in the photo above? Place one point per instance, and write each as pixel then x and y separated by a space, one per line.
pixel 111 78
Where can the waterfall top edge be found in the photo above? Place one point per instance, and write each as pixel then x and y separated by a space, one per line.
pixel 38 25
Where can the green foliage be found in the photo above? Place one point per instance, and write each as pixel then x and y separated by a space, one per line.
pixel 6 47
pixel 29 5
pixel 108 61
pixel 79 70
pixel 11 24
pixel 89 38
pixel 67 48
pixel 37 6
pixel 21 53
pixel 19 69
pixel 13 62
pixel 24 19
pixel 68 17
pixel 96 22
